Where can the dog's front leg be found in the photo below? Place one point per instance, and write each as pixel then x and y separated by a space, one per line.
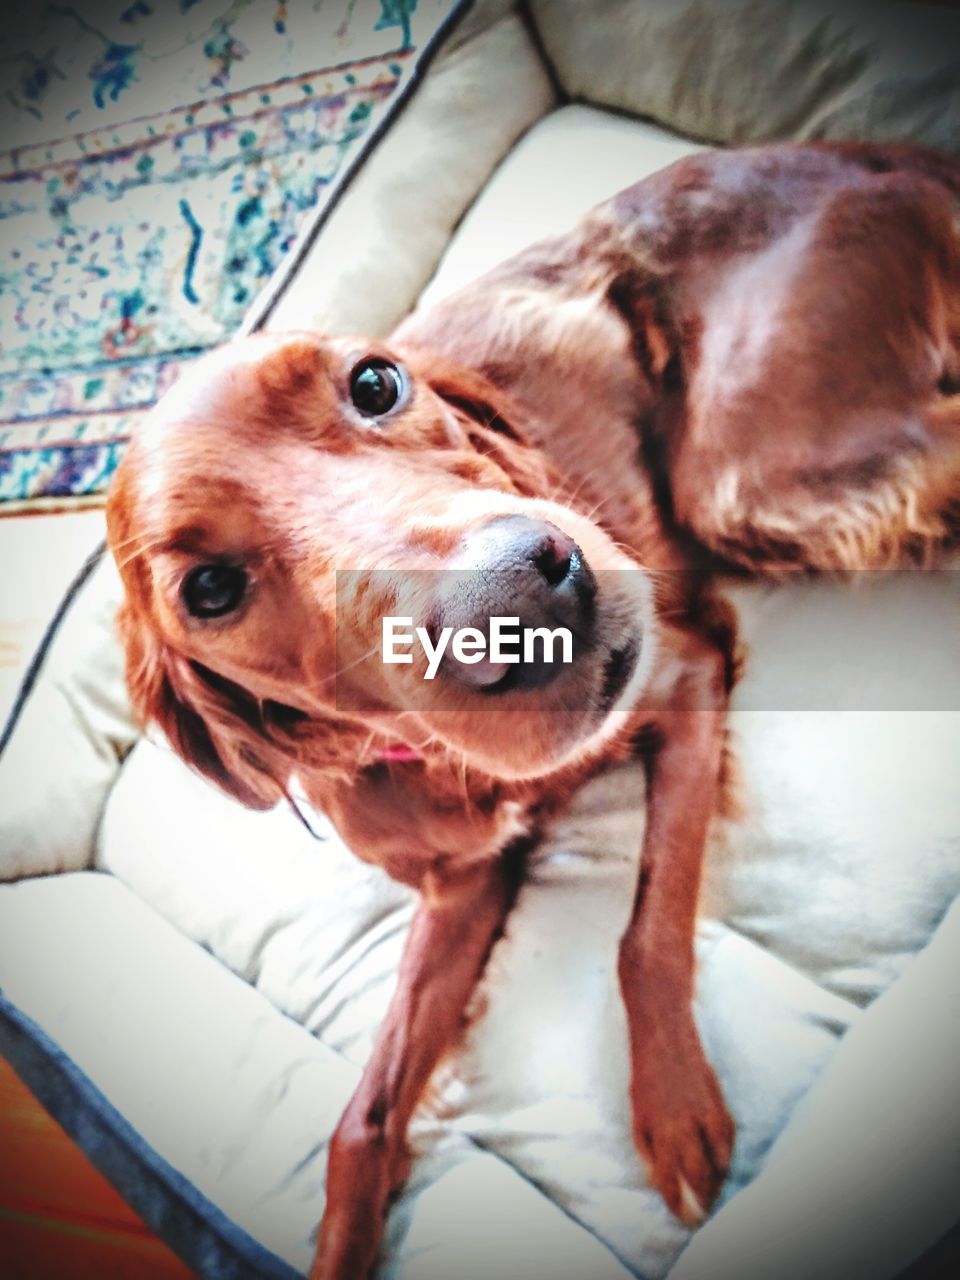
pixel 453 931
pixel 681 1124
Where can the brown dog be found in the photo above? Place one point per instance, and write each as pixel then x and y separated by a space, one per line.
pixel 750 359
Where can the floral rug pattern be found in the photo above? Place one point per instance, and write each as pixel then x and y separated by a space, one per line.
pixel 167 153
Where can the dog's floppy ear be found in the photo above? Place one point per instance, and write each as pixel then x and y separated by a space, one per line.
pixel 211 723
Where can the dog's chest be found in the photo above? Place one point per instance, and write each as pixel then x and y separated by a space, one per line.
pixel 414 817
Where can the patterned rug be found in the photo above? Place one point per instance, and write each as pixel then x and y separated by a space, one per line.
pixel 166 154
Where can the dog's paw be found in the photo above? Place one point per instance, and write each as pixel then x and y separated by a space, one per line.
pixel 682 1128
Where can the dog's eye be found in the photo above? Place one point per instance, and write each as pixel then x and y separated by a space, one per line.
pixel 212 590
pixel 376 387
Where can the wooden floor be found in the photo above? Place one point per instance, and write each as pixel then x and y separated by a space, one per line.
pixel 59 1218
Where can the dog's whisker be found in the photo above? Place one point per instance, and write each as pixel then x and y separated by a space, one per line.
pixel 139 551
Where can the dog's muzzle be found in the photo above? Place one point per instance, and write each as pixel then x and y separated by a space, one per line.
pixel 515 566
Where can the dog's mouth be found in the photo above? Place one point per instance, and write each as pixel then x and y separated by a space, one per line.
pixel 617 671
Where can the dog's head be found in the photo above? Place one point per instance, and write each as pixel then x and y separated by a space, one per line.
pixel 292 492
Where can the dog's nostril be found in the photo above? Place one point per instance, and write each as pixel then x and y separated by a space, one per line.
pixel 553 558
pixel 552 561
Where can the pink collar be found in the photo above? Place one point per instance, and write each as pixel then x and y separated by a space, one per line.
pixel 398 753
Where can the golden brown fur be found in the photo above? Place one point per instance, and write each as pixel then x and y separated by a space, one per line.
pixel 751 359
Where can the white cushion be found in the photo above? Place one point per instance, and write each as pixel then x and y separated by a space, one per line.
pixel 382 242
pixel 572 159
pixel 740 71
pixel 64 753
pixel 865 1176
pixel 237 1102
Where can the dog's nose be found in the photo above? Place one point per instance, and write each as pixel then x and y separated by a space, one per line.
pixel 516 567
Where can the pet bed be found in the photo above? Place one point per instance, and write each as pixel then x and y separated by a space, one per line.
pixel 195 993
